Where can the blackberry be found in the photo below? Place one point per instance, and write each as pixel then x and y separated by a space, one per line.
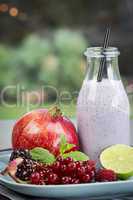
pixel 23 153
pixel 25 169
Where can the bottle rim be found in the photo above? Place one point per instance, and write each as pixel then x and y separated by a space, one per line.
pixel 96 52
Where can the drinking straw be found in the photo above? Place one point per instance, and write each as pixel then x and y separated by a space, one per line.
pixel 103 59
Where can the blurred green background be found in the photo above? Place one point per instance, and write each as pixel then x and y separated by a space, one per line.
pixel 42 44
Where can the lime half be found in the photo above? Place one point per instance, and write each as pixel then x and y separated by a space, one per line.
pixel 118 158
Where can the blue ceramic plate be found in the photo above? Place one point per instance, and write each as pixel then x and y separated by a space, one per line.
pixel 118 188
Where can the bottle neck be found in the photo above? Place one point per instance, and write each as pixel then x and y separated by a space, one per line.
pixel 111 69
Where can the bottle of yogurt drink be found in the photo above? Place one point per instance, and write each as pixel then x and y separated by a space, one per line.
pixel 102 107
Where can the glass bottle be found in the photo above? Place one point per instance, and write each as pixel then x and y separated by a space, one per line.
pixel 102 107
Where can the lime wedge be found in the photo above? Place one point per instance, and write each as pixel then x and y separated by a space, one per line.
pixel 118 158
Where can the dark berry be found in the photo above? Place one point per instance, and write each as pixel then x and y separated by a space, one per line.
pixel 25 169
pixel 104 175
pixel 47 170
pixel 23 153
pixel 86 178
pixel 40 166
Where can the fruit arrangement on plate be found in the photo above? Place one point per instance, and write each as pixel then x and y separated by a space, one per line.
pixel 46 152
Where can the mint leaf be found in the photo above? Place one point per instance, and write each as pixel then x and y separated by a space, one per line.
pixel 76 155
pixel 69 147
pixel 42 155
pixel 64 145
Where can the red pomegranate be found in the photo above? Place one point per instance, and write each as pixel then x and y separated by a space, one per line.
pixel 43 128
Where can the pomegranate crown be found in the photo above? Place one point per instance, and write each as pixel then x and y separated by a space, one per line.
pixel 55 112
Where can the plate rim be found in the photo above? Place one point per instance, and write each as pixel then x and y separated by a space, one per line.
pixel 13 183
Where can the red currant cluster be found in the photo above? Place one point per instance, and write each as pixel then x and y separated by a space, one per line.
pixel 64 171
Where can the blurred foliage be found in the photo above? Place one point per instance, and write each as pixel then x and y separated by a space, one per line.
pixel 6 73
pixel 55 60
pixel 69 43
pixel 16 112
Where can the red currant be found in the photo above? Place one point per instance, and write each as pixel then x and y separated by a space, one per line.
pixel 71 167
pixel 88 168
pixel 75 181
pixel 35 178
pixel 60 159
pixel 78 164
pixel 41 174
pixel 63 169
pixel 86 178
pixel 46 180
pixel 42 182
pixel 40 167
pixel 66 180
pixel 68 160
pixel 53 179
pixel 45 172
pixel 56 166
pixel 49 169
pixel 81 171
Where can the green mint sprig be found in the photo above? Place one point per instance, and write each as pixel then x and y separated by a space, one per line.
pixel 44 156
pixel 66 147
pixel 76 155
